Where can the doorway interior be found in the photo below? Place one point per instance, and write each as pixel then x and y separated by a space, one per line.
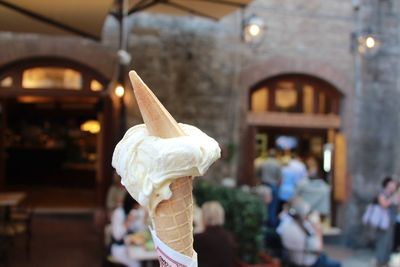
pixel 304 142
pixel 57 134
pixel 303 112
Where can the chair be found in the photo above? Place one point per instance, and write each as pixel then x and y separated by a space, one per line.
pixel 16 221
pixel 21 223
pixel 111 262
pixel 4 244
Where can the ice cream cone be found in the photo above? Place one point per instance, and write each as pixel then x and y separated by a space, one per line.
pixel 173 218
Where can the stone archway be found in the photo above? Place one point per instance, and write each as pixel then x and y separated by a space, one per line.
pixel 91 54
pixel 280 65
pixel 99 102
pixel 276 66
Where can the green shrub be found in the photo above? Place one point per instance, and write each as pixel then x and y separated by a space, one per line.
pixel 244 213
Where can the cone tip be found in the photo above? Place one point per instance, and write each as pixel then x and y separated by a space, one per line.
pixel 157 119
pixel 134 76
pixel 132 73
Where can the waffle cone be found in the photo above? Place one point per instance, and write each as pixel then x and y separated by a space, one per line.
pixel 173 218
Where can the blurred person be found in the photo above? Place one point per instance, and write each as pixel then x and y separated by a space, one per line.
pixel 271 175
pixel 262 156
pixel 388 200
pixel 396 241
pixel 284 218
pixel 215 247
pixel 271 169
pixel 115 194
pixel 126 219
pixel 265 194
pixel 396 235
pixel 298 167
pixel 287 187
pixel 198 225
pixel 314 190
pixel 302 237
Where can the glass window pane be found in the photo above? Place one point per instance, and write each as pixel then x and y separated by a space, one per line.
pixel 308 99
pixel 51 77
pixel 259 100
pixel 285 96
pixel 262 145
pixel 316 145
pixel 96 86
pixel 6 82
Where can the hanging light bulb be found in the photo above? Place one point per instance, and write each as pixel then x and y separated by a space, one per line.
pixel 368 44
pixel 253 29
pixel 119 91
pixel 92 126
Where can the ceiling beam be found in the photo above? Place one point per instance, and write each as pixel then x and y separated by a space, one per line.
pixel 142 5
pixel 224 2
pixel 189 10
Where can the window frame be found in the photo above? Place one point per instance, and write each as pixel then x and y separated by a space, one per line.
pixel 16 72
pixel 300 81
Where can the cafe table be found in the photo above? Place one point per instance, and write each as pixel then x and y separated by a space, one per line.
pixel 140 254
pixel 8 200
pixel 11 199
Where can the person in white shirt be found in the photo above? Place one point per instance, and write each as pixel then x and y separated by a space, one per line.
pixel 115 195
pixel 314 190
pixel 302 237
pixel 128 219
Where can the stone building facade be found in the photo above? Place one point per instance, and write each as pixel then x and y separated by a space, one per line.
pixel 203 72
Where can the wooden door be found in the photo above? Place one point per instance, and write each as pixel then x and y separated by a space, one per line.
pixel 341 185
pixel 109 117
pixel 2 146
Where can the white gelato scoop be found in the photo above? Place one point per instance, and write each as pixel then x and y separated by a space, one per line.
pixel 148 164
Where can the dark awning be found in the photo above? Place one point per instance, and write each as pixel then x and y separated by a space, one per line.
pixel 82 17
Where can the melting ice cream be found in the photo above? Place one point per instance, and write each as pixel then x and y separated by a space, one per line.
pixel 148 164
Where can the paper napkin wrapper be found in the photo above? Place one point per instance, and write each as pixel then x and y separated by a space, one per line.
pixel 169 257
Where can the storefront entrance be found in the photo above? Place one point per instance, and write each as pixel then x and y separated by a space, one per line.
pixel 300 114
pixel 58 127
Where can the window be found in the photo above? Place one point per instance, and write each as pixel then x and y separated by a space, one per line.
pixel 321 103
pixel 285 96
pixel 295 93
pixel 308 99
pixel 51 77
pixel 259 100
pixel 6 82
pixel 96 86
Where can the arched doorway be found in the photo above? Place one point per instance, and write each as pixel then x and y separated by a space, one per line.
pixel 301 112
pixel 57 121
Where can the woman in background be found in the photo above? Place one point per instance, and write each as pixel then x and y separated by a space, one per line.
pixel 115 195
pixel 215 247
pixel 125 220
pixel 388 200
